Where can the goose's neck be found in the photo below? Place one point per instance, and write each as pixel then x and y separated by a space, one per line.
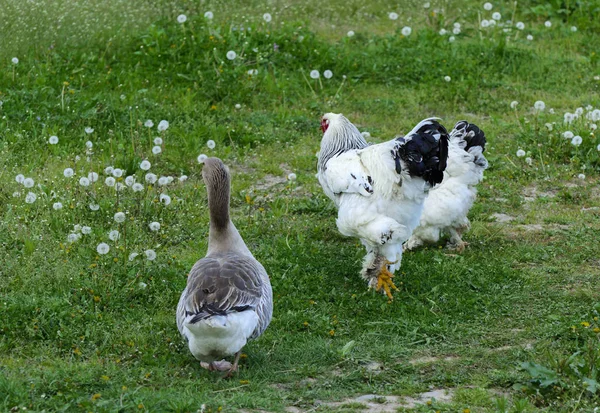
pixel 223 236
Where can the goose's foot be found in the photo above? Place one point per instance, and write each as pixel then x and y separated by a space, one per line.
pixel 384 280
pixel 234 367
pixel 222 365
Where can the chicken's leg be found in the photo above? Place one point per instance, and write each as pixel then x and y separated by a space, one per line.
pixel 379 276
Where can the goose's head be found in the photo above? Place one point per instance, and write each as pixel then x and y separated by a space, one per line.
pixel 215 173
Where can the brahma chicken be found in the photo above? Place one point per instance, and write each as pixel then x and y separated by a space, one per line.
pixel 445 209
pixel 379 189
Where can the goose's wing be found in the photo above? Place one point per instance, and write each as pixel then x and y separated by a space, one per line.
pixel 219 285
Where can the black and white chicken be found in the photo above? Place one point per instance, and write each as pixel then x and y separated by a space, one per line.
pixel 379 189
pixel 446 208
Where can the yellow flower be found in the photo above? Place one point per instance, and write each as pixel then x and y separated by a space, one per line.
pixel 124 388
pixel 596 330
pixel 332 333
pixel 305 324
pixel 96 299
pixel 96 396
pixel 585 324
pixel 140 406
pixel 244 382
pixel 466 410
pixel 105 378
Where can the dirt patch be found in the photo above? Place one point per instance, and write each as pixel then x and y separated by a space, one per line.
pixel 268 182
pixel 540 227
pixel 502 218
pixel 390 404
pixel 429 360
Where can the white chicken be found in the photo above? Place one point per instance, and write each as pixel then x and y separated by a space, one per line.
pixel 379 190
pixel 446 207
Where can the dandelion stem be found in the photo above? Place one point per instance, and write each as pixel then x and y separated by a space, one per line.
pixel 308 83
pixel 542 159
pixel 340 88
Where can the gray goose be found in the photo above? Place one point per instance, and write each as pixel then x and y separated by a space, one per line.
pixel 228 299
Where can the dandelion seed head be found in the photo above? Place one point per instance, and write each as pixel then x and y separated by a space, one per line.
pixel 137 187
pixel 72 237
pixel 30 197
pixel 231 55
pixel 83 181
pixel 581 176
pixel 447 78
pixel 142 284
pixel 154 226
pixel 156 150
pixel 149 123
pixel 20 178
pixel 68 172
pixel 520 153
pixel 485 23
pixel 162 181
pixel 163 125
pixel 393 16
pixel 576 141
pixel 201 158
pixel 539 105
pixel 514 104
pixel 117 173
pixel 496 16
pixel 158 141
pixel 520 25
pixel 119 217
pixel 267 17
pixel 53 140
pixel 77 228
pixel 114 235
pixel 548 23
pixel 456 30
pixel 165 199
pixel 211 144
pixel 183 178
pixel 291 177
pixel 102 248
pixel 182 18
pixel 108 170
pixel 145 165
pixel 57 206
pixel 86 230
pixel 528 160
pixel 328 74
pixel 529 37
pixel 15 60
pixel 443 32
pixel 110 181
pixel 28 183
pixel 350 33
pixel 150 255
pixel 89 130
pixel 133 255
pixel 314 74
pixel 406 31
pixel 549 126
pixel 209 15
pixel 94 207
pixel 568 134
pixel 151 178
pixel 488 6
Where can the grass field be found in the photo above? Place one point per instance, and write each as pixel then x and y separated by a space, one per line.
pixel 509 325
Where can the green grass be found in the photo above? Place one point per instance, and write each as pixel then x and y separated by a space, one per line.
pixel 78 332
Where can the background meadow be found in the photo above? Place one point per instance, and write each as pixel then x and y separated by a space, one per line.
pixel 106 110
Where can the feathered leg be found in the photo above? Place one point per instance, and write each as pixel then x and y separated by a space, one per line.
pixel 455 242
pixel 375 271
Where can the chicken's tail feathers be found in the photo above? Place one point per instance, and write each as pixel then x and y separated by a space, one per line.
pixel 469 137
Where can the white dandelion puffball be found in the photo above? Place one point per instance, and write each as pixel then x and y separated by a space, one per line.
pixel 350 33
pixel 20 178
pixel 528 161
pixel 492 22
pixel 165 199
pixel 231 55
pixel 314 74
pixel 145 165
pixel 520 25
pixel 150 255
pixel 28 183
pixel 406 31
pixel 253 72
pixel 447 78
pixel 549 126
pixel 514 104
pixel 16 194
pixel 539 105
pixel 598 148
pixel 328 74
pixel 576 141
pixel 593 126
pixel 120 186
pixel 485 23
pixel 451 39
pixel 137 187
pixel 30 198
pixel 456 30
pixel 211 144
pixel 156 150
pixel 170 179
pixel 183 178
pixel 57 206
pixel 117 173
pixel 119 217
pixel 238 106
pixel 94 207
pixel 548 23
pixel 488 6
pixel 77 227
pixel 529 37
pixel 103 248
pixel 393 16
pixel 426 5
pixel 151 178
pixel 15 60
pixel 114 235
pixel 496 16
pixel 110 181
pixel 53 140
pixel 158 141
pixel 163 125
pixel 595 115
pixel 109 170
pixel 443 32
pixel 163 180
pixel 573 29
pixel 291 177
pixel 142 284
pixel 201 158
pixel 93 176
pixel 130 180
pixel 181 18
pixel 154 226
pixel 149 123
pixel 579 111
pixel 86 230
pixel 568 134
pixel 83 181
pixel 73 237
pixel 520 153
pixel 209 15
pixel 89 130
pixel 581 176
pixel 267 17
pixel 133 255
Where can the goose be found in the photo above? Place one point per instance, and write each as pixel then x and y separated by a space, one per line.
pixel 228 299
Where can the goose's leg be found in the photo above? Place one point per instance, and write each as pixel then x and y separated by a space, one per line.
pixel 234 367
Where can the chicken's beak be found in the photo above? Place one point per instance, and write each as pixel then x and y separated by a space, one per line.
pixel 324 124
